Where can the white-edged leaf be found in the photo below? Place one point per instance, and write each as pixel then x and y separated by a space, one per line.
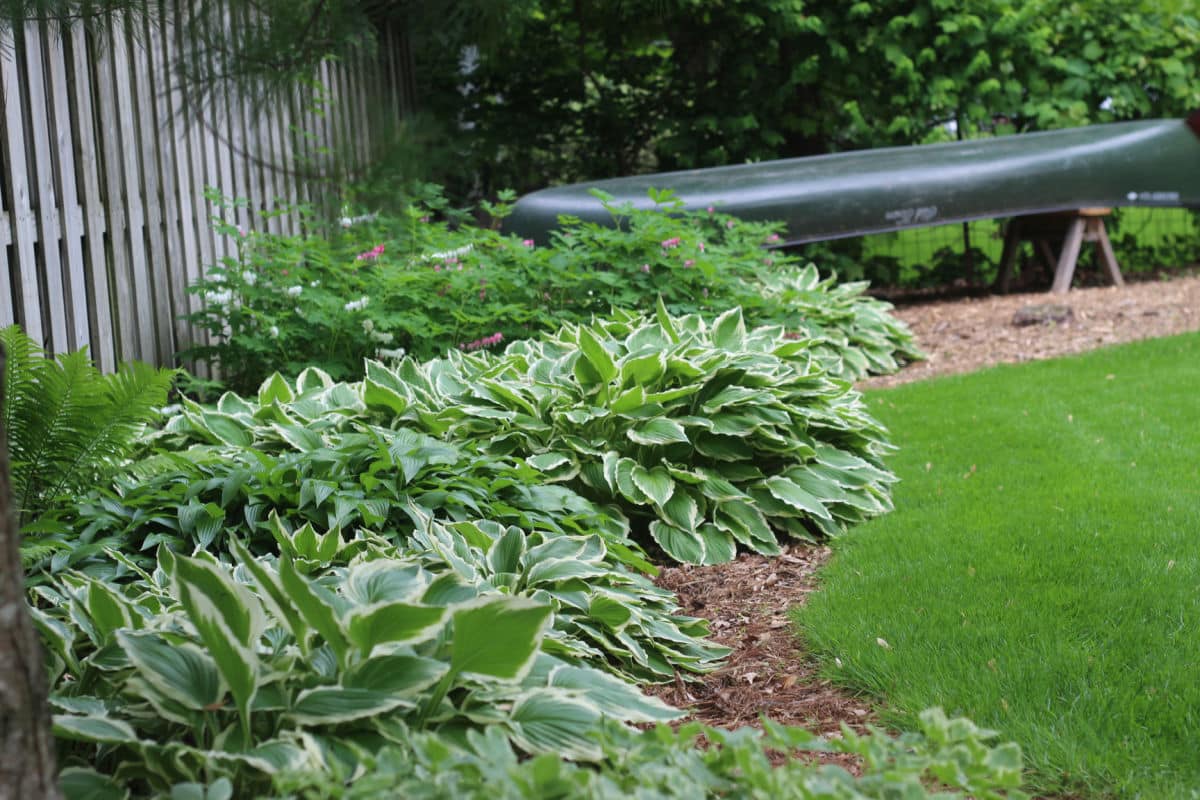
pixel 386 623
pixel 655 483
pixel 548 721
pixel 97 730
pixel 612 695
pixel 182 672
pixel 658 431
pixel 788 492
pixel 330 705
pixel 497 637
pixel 687 548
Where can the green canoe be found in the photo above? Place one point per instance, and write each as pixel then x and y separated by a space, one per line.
pixel 1147 163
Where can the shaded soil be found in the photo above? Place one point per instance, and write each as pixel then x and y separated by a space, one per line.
pixel 746 601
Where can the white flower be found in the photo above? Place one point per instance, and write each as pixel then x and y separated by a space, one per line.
pixel 383 352
pixel 357 305
pixel 250 277
pixel 461 251
pixel 381 337
pixel 368 325
pixel 315 284
pixel 293 291
pixel 221 298
pixel 274 331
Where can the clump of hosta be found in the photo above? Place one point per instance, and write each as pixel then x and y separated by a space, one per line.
pixel 202 669
pixel 712 436
pixel 858 335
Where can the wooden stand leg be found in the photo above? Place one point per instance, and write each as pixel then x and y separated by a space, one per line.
pixel 1067 258
pixel 1108 259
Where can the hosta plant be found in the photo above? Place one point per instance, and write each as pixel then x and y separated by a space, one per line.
pixel 203 669
pixel 711 436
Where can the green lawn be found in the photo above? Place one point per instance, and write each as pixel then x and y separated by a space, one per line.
pixel 1041 572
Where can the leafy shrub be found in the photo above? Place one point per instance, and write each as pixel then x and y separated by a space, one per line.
pixel 200 670
pixel 663 763
pixel 68 425
pixel 314 456
pixel 713 435
pixel 387 287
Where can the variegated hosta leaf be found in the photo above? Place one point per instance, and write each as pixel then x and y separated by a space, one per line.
pixel 641 407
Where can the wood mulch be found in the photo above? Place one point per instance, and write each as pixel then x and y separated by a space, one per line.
pixel 746 601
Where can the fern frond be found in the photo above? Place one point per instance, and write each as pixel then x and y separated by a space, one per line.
pixel 23 368
pixel 129 400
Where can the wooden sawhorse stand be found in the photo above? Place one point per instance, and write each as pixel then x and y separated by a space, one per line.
pixel 1072 228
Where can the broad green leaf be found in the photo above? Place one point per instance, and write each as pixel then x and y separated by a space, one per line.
pixel 655 483
pixel 275 389
pixel 80 783
pixel 660 431
pixel 729 329
pixel 612 695
pixel 182 672
pixel 396 674
pixel 548 721
pixel 546 462
pixel 271 591
pixel 629 400
pixel 307 599
pixel 226 429
pixel 797 498
pixel 507 551
pixel 497 637
pixel 382 390
pixel 95 730
pixel 393 623
pixel 719 547
pixel 680 545
pixel 230 621
pixel 625 484
pixel 553 570
pixel 682 510
pixel 664 320
pixel 108 610
pixel 597 355
pixel 643 370
pixel 330 705
pixel 613 613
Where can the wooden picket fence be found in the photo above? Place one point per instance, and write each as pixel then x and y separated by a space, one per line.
pixel 103 216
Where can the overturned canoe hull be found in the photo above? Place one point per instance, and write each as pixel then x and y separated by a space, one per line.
pixel 1149 163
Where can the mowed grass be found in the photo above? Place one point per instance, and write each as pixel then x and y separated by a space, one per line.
pixel 1041 571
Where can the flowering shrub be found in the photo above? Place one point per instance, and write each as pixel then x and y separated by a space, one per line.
pixel 379 287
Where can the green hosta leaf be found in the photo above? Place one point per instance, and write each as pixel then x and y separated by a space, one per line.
pixel 612 695
pixel 596 354
pixel 393 623
pixel 181 672
pixel 108 610
pixel 271 591
pixel 507 551
pixel 301 438
pixel 383 390
pixel 497 637
pixel 680 545
pixel 275 390
pixel 625 485
pixel 719 547
pixel 330 705
pixel 547 462
pixel 95 730
pixel 797 498
pixel 230 621
pixel 644 370
pixel 746 524
pixel 729 329
pixel 226 429
pixel 317 612
pixel 629 400
pixel 682 510
pixel 548 721
pixel 655 483
pixel 79 783
pixel 612 613
pixel 396 674
pixel 561 569
pixel 665 322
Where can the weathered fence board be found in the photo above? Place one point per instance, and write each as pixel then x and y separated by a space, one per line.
pixel 104 221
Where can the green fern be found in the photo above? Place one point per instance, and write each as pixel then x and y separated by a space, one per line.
pixel 67 424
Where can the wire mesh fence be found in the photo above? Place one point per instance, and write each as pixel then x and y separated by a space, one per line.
pixel 1146 242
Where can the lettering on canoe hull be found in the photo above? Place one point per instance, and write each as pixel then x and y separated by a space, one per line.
pixel 912 216
pixel 1153 197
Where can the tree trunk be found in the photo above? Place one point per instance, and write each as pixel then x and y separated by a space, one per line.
pixel 27 770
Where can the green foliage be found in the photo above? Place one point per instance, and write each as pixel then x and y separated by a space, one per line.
pixel 68 425
pixel 387 287
pixel 587 91
pixel 663 763
pixel 711 436
pixel 201 670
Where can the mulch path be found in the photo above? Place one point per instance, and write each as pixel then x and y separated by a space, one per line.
pixel 746 601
